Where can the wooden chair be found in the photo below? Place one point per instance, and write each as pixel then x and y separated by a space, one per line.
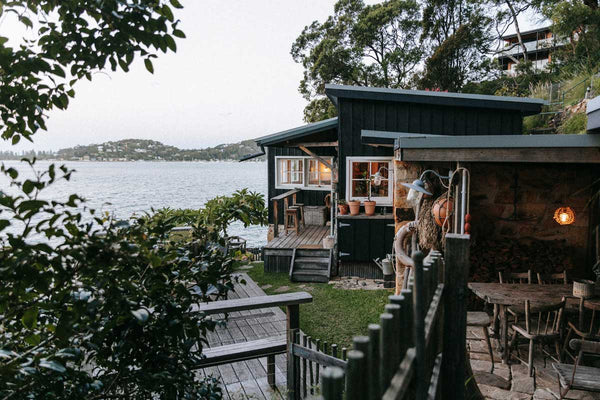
pixel 543 324
pixel 515 277
pixel 588 326
pixel 482 320
pixel 559 278
pixel 575 376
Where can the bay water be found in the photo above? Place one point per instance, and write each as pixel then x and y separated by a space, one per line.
pixel 125 188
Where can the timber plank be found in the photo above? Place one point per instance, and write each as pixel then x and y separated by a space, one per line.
pixel 586 378
pixel 252 303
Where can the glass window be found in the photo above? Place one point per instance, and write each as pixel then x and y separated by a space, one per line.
pixel 319 174
pixel 290 171
pixel 373 175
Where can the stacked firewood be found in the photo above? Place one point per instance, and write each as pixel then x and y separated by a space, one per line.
pixel 490 256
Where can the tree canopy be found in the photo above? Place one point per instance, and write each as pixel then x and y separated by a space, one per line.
pixel 375 45
pixel 74 40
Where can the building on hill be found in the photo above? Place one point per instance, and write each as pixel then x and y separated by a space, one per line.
pixel 540 44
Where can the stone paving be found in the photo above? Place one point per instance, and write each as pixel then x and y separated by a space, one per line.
pixel 512 382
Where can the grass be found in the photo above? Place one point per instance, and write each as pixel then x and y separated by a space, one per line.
pixel 335 315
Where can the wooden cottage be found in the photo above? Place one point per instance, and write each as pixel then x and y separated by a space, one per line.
pixel 319 164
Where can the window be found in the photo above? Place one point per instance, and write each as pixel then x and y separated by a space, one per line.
pixel 290 171
pixel 359 180
pixel 318 173
pixel 302 172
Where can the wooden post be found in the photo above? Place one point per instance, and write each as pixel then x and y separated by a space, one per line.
pixel 386 368
pixel 305 344
pixel 285 216
pixel 374 334
pixel 362 344
pixel 293 375
pixel 402 335
pixel 310 369
pixel 275 219
pixel 455 316
pixel 271 371
pixel 356 389
pixel 419 299
pixel 394 346
pixel 407 317
pixel 332 386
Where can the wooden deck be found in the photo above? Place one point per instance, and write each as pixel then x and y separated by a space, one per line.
pixel 310 237
pixel 248 379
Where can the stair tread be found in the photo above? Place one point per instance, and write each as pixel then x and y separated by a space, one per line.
pixel 318 260
pixel 310 272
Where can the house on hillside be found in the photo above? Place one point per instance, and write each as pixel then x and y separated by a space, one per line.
pixel 540 43
pixel 369 151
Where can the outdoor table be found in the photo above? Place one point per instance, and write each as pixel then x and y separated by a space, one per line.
pixel 505 295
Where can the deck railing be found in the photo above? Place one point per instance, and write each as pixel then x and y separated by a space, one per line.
pixel 285 197
pixel 418 347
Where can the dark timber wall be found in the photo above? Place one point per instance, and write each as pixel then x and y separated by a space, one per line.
pixel 356 115
pixel 306 197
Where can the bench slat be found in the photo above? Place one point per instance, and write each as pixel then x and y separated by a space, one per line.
pixel 586 378
pixel 252 303
pixel 243 351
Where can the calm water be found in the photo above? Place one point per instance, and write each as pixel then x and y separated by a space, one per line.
pixel 124 188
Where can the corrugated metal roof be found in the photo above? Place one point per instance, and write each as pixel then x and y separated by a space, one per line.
pixel 297 132
pixel 527 106
pixel 414 141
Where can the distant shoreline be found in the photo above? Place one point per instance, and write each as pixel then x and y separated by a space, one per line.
pixel 123 161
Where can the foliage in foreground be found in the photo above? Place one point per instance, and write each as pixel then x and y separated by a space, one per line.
pixel 101 308
pixel 335 315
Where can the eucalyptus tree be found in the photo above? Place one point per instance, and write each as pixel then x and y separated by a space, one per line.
pixel 456 34
pixel 365 45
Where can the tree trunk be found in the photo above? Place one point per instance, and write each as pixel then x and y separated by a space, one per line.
pixel 514 15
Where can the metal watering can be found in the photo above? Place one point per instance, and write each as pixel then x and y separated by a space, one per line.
pixel 386 265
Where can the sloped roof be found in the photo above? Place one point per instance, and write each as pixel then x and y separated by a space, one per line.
pixel 528 106
pixel 298 132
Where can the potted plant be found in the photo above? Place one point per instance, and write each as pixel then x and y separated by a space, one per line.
pixel 369 204
pixel 354 207
pixel 343 207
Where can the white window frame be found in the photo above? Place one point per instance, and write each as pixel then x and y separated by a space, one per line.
pixel 381 201
pixel 305 172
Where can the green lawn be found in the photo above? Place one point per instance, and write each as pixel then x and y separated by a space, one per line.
pixel 335 315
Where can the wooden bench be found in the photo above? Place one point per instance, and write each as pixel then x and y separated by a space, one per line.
pixel 265 347
pixel 577 377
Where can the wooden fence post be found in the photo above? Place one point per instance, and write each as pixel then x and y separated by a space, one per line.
pixel 332 386
pixel 275 219
pixel 374 334
pixel 386 367
pixel 419 300
pixel 363 344
pixel 455 315
pixel 355 376
pixel 293 373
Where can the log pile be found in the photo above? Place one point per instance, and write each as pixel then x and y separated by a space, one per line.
pixel 490 256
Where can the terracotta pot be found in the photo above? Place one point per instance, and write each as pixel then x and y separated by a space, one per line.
pixel 370 207
pixel 354 207
pixel 343 209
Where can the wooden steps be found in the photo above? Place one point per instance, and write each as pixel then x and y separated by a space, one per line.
pixel 310 265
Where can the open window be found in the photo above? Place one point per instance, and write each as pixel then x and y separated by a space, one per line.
pixel 359 179
pixel 302 172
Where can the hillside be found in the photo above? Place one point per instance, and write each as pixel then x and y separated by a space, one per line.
pixel 143 150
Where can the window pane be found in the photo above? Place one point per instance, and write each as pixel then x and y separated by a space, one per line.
pixel 359 169
pixel 382 167
pixel 290 171
pixel 313 172
pixel 359 188
pixel 381 190
pixel 296 171
pixel 325 174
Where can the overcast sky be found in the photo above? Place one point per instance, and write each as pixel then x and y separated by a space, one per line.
pixel 232 79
